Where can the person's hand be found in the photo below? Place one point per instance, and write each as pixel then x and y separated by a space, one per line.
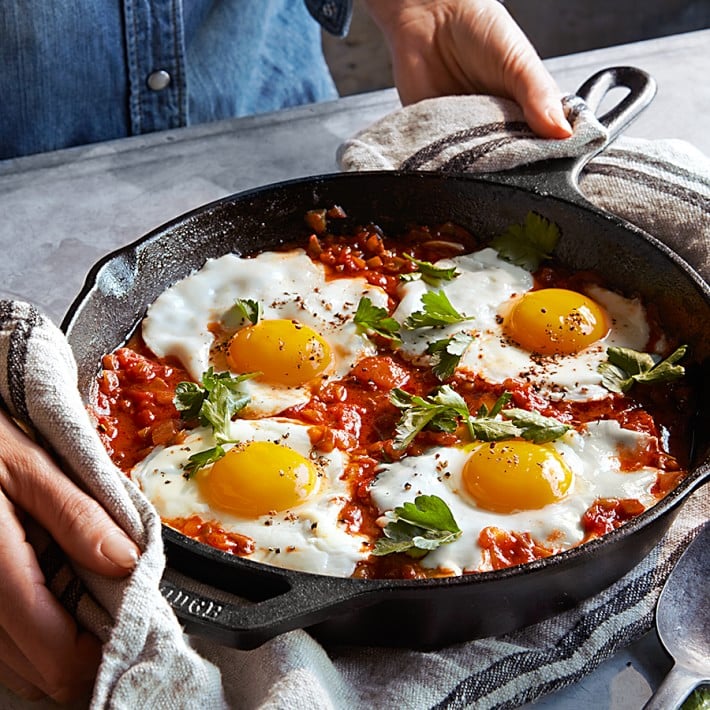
pixel 42 650
pixel 442 47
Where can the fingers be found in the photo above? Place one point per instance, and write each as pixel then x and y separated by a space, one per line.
pixel 19 675
pixel 16 683
pixel 468 46
pixel 539 97
pixel 41 649
pixel 524 76
pixel 75 520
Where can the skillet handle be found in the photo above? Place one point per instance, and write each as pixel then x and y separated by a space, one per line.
pixel 560 176
pixel 295 600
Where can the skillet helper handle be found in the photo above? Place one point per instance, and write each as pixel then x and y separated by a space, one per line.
pixel 559 177
pixel 642 89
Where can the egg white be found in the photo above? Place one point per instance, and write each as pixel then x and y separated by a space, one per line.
pixel 592 456
pixel 307 537
pixel 288 285
pixel 484 282
pixel 484 291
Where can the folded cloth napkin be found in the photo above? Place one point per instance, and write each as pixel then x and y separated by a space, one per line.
pixel 663 187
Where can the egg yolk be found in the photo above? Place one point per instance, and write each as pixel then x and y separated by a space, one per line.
pixel 505 477
pixel 556 321
pixel 258 478
pixel 285 352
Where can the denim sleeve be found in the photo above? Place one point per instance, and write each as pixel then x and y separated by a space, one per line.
pixel 80 72
pixel 332 15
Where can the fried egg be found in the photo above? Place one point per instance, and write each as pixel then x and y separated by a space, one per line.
pixel 554 339
pixel 305 336
pixel 271 487
pixel 518 486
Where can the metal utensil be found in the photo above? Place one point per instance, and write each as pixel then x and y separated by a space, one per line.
pixel 683 623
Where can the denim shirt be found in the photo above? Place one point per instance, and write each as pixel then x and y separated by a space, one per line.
pixel 92 70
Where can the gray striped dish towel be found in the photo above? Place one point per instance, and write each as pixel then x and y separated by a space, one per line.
pixel 663 187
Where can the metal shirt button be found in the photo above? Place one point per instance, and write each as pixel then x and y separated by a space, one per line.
pixel 158 80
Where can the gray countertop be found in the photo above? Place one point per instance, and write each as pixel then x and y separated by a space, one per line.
pixel 62 211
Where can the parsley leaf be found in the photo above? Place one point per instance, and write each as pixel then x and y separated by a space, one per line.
pixel 444 410
pixel 188 399
pixel 202 459
pixel 428 272
pixel 440 411
pixel 249 310
pixel 522 423
pixel 699 699
pixel 437 312
pixel 372 319
pixel 446 354
pixel 418 528
pixel 625 367
pixel 529 243
pixel 215 402
pixel 535 427
pixel 486 426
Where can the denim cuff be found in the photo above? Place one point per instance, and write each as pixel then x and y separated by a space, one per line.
pixel 333 15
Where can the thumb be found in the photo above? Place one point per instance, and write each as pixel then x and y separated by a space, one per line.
pixel 525 77
pixel 542 107
pixel 534 89
pixel 84 530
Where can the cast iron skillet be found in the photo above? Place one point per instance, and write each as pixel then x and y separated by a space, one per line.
pixel 424 613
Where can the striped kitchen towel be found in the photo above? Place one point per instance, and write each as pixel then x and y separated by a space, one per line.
pixel 661 186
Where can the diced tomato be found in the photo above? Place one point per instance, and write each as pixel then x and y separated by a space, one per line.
pixel 213 534
pixel 609 513
pixel 382 371
pixel 505 549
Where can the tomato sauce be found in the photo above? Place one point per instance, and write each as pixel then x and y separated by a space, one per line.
pixel 505 549
pixel 133 404
pixel 210 533
pixel 608 514
pixel 134 411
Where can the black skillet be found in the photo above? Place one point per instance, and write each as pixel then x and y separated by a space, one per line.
pixel 424 613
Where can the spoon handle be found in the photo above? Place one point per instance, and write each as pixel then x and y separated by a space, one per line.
pixel 674 689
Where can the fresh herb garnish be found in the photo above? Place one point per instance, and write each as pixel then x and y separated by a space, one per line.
pixel 699 699
pixel 529 243
pixel 248 310
pixel 438 311
pixel 371 319
pixel 428 272
pixel 215 402
pixel 440 411
pixel 212 404
pixel 625 367
pixel 202 459
pixel 522 423
pixel 446 354
pixel 445 408
pixel 418 528
pixel 486 426
pixel 535 427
